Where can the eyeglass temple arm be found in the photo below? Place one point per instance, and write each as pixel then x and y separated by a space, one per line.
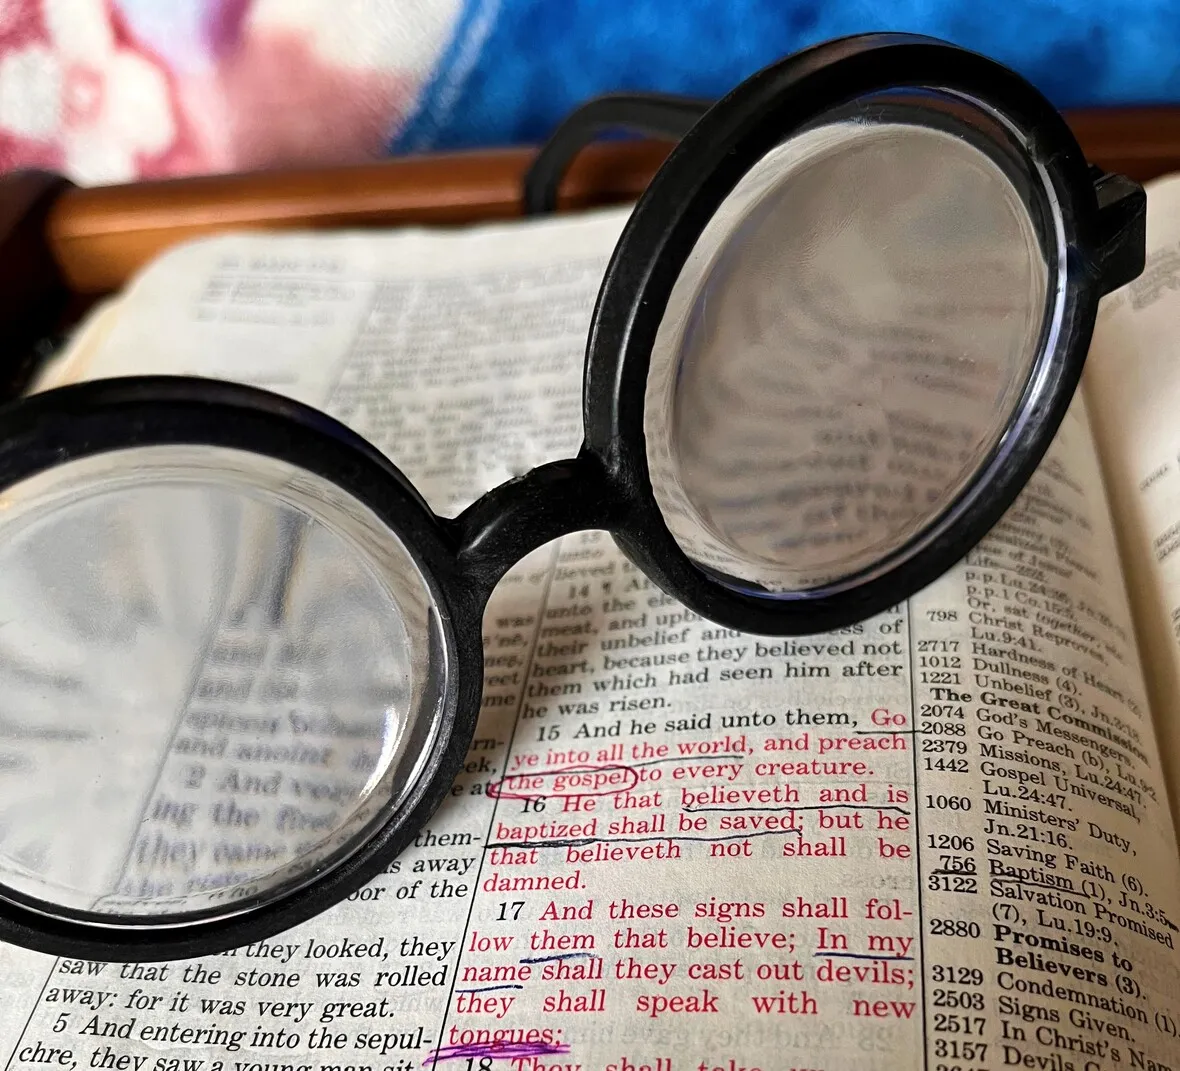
pixel 1122 224
pixel 1122 204
pixel 655 114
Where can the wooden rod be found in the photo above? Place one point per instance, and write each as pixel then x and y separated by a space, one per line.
pixel 100 236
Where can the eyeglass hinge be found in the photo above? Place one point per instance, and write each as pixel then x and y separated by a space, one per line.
pixel 1122 222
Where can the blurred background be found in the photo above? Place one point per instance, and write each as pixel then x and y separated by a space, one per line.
pixel 114 90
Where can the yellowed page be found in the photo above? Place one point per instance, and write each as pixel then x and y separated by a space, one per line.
pixel 70 363
pixel 1132 382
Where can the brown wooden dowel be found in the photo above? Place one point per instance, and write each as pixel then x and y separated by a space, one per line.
pixel 1143 143
pixel 101 236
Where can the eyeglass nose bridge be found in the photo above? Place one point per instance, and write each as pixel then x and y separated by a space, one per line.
pixel 510 521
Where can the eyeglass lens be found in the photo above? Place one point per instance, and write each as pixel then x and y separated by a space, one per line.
pixel 846 345
pixel 219 674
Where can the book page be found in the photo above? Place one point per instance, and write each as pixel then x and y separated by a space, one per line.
pixel 935 838
pixel 1133 383
pixel 70 362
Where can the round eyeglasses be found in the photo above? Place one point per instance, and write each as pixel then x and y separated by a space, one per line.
pixel 834 341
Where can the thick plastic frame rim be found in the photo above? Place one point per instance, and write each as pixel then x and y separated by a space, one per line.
pixel 700 172
pixel 93 418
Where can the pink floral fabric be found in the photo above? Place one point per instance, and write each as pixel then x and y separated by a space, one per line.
pixel 114 90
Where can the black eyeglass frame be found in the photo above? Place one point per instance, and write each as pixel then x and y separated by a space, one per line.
pixel 607 485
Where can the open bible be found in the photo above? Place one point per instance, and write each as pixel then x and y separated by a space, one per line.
pixel 937 839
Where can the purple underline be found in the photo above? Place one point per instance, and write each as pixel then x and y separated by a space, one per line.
pixel 497 1050
pixel 489 988
pixel 560 955
pixel 865 955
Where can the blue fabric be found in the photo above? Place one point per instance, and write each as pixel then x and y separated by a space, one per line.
pixel 514 68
